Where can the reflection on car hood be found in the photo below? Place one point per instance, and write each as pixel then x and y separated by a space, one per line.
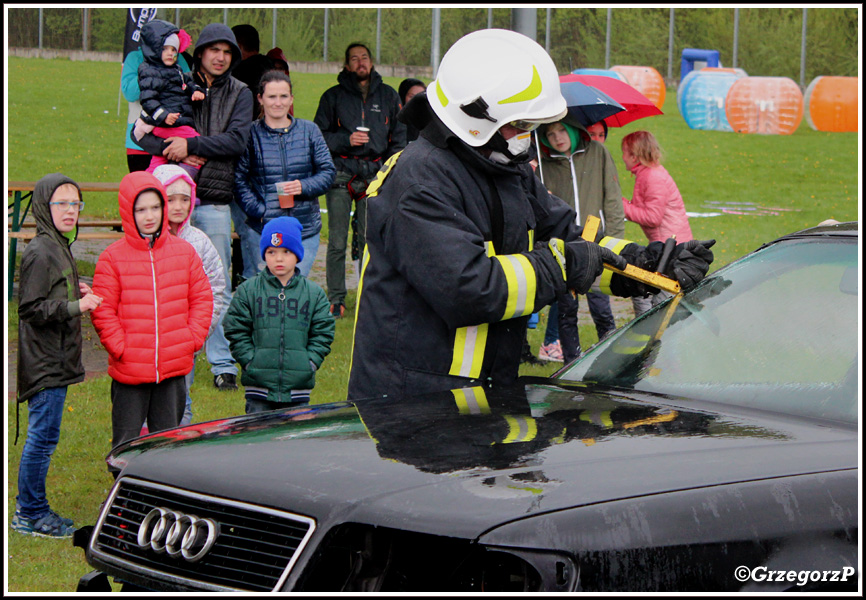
pixel 466 460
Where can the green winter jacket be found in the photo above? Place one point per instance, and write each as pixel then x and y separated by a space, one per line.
pixel 279 335
pixel 592 166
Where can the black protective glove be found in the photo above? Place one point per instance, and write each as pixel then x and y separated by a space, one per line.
pixel 690 262
pixel 584 262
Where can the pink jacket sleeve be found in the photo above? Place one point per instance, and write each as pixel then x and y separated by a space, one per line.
pixel 649 202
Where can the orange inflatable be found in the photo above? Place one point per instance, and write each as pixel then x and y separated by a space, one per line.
pixel 769 105
pixel 831 104
pixel 646 80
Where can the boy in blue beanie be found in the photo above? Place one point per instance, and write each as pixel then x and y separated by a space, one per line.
pixel 278 324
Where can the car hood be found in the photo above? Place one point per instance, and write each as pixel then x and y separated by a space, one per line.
pixel 462 462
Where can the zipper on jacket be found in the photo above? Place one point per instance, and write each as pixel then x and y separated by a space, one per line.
pixel 155 316
pixel 282 298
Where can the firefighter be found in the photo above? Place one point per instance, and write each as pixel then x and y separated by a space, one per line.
pixel 463 242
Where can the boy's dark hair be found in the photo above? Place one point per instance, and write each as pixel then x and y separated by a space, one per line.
pixel 247 37
pixel 356 45
pixel 271 76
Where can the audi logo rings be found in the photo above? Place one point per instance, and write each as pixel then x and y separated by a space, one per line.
pixel 177 534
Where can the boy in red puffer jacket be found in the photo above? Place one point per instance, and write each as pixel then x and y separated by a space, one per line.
pixel 155 314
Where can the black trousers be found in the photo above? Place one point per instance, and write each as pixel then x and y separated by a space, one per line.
pixel 162 404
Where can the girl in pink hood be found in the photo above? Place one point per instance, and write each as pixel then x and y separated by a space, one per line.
pixel 656 205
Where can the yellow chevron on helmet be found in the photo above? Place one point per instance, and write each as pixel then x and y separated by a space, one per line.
pixel 492 77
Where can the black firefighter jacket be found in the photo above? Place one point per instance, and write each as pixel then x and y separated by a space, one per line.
pixel 49 320
pixel 450 276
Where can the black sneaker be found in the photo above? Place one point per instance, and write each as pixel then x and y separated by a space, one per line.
pixel 225 382
pixel 338 309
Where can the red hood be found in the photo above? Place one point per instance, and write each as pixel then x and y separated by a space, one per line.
pixel 130 187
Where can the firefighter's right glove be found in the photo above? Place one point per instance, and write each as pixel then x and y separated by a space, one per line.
pixel 583 262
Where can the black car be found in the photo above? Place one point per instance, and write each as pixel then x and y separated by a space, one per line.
pixel 710 445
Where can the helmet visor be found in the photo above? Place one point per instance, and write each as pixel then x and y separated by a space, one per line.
pixel 532 124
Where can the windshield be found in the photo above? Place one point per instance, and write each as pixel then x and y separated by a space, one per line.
pixel 776 330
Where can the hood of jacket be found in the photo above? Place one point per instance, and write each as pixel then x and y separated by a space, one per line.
pixel 349 80
pixel 168 174
pixel 42 192
pixel 579 135
pixel 130 187
pixel 419 114
pixel 153 35
pixel 217 32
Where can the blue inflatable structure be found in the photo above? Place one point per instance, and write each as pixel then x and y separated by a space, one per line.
pixel 694 59
pixel 701 98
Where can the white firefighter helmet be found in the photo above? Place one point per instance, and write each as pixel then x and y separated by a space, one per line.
pixel 493 77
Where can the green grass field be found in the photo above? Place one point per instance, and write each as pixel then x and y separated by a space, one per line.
pixel 63 116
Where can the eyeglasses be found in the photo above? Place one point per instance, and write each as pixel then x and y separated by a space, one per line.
pixel 64 206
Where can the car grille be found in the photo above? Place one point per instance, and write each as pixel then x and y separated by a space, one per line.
pixel 254 550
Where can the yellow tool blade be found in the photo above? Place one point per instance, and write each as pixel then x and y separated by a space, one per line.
pixel 590 230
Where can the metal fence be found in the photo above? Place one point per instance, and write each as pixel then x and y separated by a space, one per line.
pixel 799 43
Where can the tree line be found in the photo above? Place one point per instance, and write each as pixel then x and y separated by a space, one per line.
pixel 768 39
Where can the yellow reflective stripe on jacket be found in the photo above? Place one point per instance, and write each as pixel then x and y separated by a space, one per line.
pixel 521 285
pixel 365 259
pixel 520 429
pixel 373 188
pixel 469 344
pixel 471 401
pixel 615 245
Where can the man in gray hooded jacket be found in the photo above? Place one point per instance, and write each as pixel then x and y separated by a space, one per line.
pixel 51 301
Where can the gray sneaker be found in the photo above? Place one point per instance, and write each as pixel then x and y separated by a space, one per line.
pixel 66 521
pixel 50 526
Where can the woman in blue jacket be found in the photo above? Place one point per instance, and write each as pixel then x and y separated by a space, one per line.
pixel 284 149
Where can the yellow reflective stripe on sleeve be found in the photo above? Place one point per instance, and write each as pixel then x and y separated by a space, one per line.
pixel 557 247
pixel 615 245
pixel 373 188
pixel 488 246
pixel 531 233
pixel 469 344
pixel 520 429
pixel 471 401
pixel 521 280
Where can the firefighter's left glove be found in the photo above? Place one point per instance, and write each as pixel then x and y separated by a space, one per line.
pixel 691 261
pixel 582 262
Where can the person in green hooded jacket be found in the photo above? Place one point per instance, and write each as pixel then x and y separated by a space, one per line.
pixel 582 173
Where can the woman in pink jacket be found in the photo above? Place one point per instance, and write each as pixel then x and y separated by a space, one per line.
pixel 656 205
pixel 156 310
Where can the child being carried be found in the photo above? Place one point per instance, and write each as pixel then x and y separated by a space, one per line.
pixel 167 92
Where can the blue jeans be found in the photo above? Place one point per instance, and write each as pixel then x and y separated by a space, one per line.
pixel 43 432
pixel 215 220
pixel 311 249
pixel 250 251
